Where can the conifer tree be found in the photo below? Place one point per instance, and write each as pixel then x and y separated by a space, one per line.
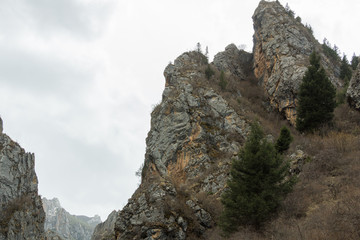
pixel 256 185
pixel 284 140
pixel 316 98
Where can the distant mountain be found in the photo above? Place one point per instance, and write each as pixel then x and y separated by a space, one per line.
pixel 65 225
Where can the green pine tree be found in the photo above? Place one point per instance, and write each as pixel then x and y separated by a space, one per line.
pixel 256 186
pixel 316 98
pixel 284 140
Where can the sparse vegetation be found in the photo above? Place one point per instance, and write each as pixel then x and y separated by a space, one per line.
pixel 331 52
pixel 8 211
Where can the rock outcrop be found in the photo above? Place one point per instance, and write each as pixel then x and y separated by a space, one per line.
pixel 105 230
pixel 22 215
pixel 194 135
pixel 353 92
pixel 65 225
pixel 282 46
pixel 233 61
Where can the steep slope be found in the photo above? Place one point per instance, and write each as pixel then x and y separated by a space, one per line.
pixel 22 215
pixel 194 134
pixel 353 92
pixel 65 225
pixel 105 230
pixel 282 46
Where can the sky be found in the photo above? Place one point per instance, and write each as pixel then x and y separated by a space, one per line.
pixel 79 78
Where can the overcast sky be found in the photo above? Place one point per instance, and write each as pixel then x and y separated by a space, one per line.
pixel 78 79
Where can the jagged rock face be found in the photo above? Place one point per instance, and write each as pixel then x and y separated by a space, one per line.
pixel 193 131
pixel 353 92
pixel 282 47
pixel 65 225
pixel 105 230
pixel 233 60
pixel 22 215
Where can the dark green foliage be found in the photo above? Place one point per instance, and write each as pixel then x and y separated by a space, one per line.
pixel 316 98
pixel 284 140
pixel 222 83
pixel 209 72
pixel 298 19
pixel 256 185
pixel 354 62
pixel 345 70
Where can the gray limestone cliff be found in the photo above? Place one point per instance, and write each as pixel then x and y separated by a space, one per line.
pixel 22 215
pixel 353 92
pixel 66 226
pixel 194 135
pixel 105 230
pixel 233 61
pixel 282 46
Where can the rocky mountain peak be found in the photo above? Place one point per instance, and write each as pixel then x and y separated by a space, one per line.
pixel 282 46
pixel 233 61
pixel 193 130
pixel 66 226
pixel 22 215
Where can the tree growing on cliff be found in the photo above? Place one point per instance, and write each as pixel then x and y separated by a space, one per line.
pixel 257 184
pixel 316 98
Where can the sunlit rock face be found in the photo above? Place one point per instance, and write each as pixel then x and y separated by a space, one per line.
pixel 353 92
pixel 62 224
pixel 282 46
pixel 194 135
pixel 22 215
